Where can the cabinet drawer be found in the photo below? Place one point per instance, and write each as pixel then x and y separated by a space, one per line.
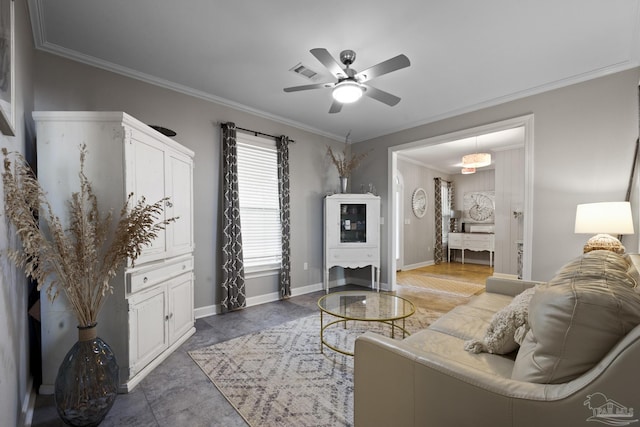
pixel 455 239
pixel 355 254
pixel 147 277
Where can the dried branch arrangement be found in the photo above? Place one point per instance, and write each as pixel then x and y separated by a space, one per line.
pixel 82 259
pixel 345 163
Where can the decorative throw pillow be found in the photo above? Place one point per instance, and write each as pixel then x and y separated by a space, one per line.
pixel 577 318
pixel 499 338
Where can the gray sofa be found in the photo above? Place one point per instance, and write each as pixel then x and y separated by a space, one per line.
pixel 428 379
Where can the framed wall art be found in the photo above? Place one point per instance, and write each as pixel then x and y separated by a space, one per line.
pixel 479 206
pixel 7 68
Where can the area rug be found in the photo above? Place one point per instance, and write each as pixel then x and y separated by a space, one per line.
pixel 279 377
pixel 437 284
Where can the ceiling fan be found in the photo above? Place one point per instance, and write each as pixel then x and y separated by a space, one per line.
pixel 351 84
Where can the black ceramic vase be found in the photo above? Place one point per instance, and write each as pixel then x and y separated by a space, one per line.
pixel 87 381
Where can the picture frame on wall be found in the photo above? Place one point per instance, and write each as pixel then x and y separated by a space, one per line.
pixel 7 68
pixel 479 207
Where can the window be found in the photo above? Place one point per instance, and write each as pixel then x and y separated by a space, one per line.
pixel 259 203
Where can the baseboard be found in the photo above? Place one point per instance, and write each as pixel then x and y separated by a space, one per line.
pixel 28 405
pixel 506 276
pixel 417 265
pixel 211 310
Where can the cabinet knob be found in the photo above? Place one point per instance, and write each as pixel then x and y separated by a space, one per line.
pixel 184 267
pixel 166 317
pixel 145 280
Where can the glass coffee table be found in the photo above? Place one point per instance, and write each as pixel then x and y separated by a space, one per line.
pixel 363 306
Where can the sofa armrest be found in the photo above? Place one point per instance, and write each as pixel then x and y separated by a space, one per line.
pixel 383 382
pixel 396 384
pixel 512 287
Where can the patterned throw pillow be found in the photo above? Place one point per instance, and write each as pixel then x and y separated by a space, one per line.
pixel 500 335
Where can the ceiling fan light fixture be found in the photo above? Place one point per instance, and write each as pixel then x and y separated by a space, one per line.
pixel 347 92
pixel 467 171
pixel 476 160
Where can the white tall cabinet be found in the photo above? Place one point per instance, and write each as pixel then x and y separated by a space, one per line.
pixel 151 311
pixel 352 234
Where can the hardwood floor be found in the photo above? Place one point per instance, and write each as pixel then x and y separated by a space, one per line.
pixel 474 273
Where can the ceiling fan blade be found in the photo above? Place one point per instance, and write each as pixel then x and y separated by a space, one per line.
pixel 328 61
pixel 380 95
pixel 307 87
pixel 393 64
pixel 336 107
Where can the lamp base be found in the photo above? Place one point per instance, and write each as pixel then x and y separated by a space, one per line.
pixel 604 242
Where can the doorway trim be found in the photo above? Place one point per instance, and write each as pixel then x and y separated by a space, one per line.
pixel 526 121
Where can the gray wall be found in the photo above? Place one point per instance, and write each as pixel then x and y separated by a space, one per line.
pixel 66 85
pixel 419 233
pixel 584 143
pixel 14 351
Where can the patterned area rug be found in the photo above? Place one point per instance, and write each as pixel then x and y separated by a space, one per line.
pixel 437 284
pixel 278 377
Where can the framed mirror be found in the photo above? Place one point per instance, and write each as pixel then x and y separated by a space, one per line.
pixel 419 202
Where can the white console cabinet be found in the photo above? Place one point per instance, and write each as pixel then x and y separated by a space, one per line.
pixel 477 242
pixel 151 310
pixel 352 234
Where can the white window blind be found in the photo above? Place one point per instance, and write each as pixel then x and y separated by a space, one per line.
pixel 259 203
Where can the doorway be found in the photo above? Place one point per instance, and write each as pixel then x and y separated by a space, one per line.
pixel 439 144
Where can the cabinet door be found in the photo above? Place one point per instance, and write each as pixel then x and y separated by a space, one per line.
pixel 180 191
pixel 147 169
pixel 180 299
pixel 147 328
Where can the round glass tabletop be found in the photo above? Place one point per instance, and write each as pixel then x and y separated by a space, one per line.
pixel 366 306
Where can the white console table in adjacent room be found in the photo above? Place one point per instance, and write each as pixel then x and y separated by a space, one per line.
pixel 477 242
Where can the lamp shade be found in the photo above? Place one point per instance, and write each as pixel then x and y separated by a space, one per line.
pixel 467 171
pixel 476 160
pixel 606 217
pixel 347 92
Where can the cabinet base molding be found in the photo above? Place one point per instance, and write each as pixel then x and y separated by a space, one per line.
pixel 135 380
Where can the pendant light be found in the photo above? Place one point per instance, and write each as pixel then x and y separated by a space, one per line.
pixel 476 160
pixel 468 171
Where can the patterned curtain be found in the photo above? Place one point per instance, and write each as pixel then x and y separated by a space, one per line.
pixel 442 210
pixel 233 288
pixel 452 206
pixel 282 145
pixel 438 252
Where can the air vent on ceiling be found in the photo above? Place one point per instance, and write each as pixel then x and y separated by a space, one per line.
pixel 304 71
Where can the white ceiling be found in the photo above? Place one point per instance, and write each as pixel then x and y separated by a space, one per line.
pixel 447 156
pixel 464 54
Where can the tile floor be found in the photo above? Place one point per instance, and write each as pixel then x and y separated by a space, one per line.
pixel 177 393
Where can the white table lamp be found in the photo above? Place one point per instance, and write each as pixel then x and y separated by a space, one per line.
pixel 606 220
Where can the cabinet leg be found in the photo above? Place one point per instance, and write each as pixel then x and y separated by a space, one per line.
pixel 373 277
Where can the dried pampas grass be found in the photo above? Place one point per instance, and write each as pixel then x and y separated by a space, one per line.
pixel 82 259
pixel 343 162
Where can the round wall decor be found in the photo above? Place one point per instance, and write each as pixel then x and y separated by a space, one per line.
pixel 419 202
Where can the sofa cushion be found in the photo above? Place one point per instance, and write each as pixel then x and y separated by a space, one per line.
pixel 500 334
pixel 449 347
pixel 464 322
pixel 577 317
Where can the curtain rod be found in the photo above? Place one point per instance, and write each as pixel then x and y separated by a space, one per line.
pixel 256 133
